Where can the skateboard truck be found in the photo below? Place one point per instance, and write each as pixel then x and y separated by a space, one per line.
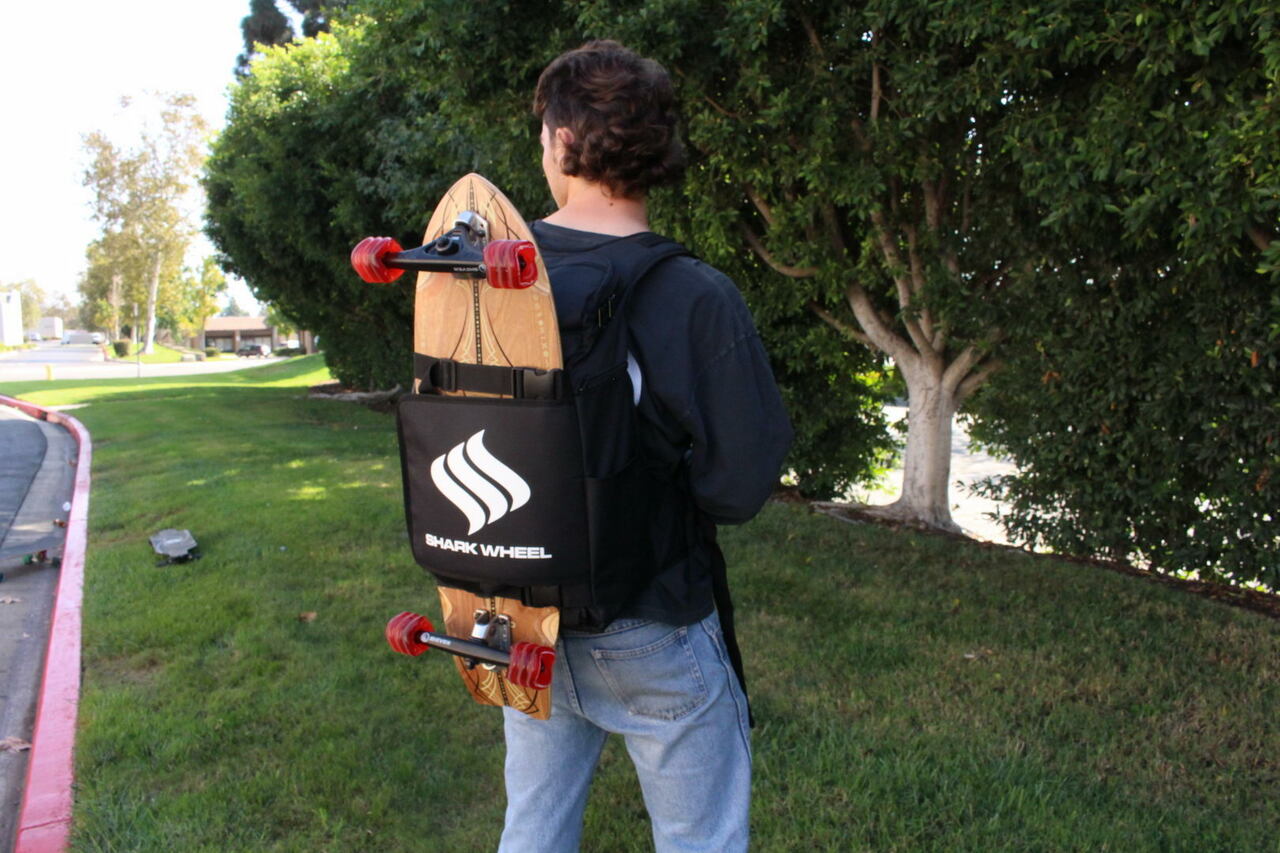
pixel 527 664
pixel 494 632
pixel 464 251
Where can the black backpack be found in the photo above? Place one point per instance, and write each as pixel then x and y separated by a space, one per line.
pixel 544 495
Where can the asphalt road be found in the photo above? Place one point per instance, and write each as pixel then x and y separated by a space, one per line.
pixel 36 477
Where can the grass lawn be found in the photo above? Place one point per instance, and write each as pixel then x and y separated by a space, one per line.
pixel 162 355
pixel 911 693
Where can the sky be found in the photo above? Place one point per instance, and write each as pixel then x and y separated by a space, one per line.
pixel 63 70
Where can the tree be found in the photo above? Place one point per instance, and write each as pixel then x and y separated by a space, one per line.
pixel 267 26
pixel 857 154
pixel 919 175
pixel 890 184
pixel 343 126
pixel 60 306
pixel 1140 403
pixel 277 320
pixel 114 288
pixel 138 197
pixel 316 14
pixel 197 298
pixel 233 309
pixel 327 142
pixel 296 179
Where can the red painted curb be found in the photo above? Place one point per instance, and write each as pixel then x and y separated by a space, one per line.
pixel 44 822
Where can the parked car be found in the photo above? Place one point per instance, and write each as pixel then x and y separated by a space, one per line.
pixel 254 350
pixel 97 337
pixel 34 337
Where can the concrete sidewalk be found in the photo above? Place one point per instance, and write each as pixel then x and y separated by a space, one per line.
pixel 36 479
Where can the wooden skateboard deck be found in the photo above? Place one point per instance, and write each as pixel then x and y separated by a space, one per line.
pixel 538 625
pixel 470 321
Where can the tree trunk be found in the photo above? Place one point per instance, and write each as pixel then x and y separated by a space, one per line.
pixel 116 281
pixel 927 464
pixel 925 497
pixel 149 345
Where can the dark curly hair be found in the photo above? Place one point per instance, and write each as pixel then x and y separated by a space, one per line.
pixel 621 109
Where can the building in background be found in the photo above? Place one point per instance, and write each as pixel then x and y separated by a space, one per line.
pixel 10 318
pixel 50 328
pixel 228 334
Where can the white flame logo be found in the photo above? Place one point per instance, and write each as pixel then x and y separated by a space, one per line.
pixel 467 475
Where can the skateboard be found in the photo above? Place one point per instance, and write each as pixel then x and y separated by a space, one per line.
pixel 482 297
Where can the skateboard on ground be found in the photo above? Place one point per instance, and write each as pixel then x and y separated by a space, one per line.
pixel 483 297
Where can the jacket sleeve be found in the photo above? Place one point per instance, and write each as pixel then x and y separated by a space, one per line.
pixel 726 402
pixel 740 434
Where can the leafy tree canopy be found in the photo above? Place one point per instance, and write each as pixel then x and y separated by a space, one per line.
pixel 233 309
pixel 1140 401
pixel 958 187
pixel 385 116
pixel 294 181
pixel 266 25
pixel 139 197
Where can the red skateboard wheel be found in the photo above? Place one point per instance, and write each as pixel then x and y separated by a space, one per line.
pixel 531 666
pixel 404 633
pixel 366 259
pixel 511 264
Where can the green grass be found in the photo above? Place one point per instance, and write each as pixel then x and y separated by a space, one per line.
pixel 162 355
pixel 912 693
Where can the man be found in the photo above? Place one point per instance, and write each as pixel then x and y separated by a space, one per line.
pixel 662 675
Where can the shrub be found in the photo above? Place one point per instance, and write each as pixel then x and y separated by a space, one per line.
pixel 211 352
pixel 123 348
pixel 1145 422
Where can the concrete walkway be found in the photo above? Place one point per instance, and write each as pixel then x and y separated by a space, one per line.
pixel 36 478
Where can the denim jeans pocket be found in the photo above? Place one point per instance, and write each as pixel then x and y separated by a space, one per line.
pixel 660 680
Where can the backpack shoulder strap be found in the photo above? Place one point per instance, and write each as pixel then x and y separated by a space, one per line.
pixel 631 260
pixel 635 257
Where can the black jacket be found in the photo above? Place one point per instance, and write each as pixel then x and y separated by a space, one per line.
pixel 710 413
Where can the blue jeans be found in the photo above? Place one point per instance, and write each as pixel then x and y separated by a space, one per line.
pixel 672 694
